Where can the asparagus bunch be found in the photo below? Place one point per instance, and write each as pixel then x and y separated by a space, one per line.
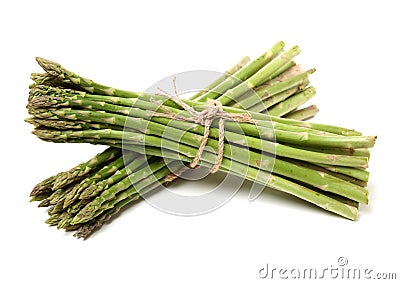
pixel 88 228
pixel 319 163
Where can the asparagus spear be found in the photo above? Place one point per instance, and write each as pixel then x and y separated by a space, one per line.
pixel 242 62
pixel 362 152
pixel 273 100
pixel 67 124
pixel 292 103
pixel 244 73
pixel 303 114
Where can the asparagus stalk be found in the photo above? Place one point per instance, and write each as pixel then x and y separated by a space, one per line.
pixel 303 114
pixel 360 174
pixel 335 171
pixel 242 62
pixel 273 100
pixel 244 73
pixel 293 102
pixel 67 124
pixel 362 152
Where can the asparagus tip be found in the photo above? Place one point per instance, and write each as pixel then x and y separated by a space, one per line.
pixel 52 220
pixel 51 67
pixel 44 203
pixel 311 71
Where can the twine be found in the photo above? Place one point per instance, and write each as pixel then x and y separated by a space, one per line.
pixel 206 117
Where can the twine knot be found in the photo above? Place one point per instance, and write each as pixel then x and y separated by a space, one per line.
pixel 213 110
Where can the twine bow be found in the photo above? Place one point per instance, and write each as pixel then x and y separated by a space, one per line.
pixel 212 111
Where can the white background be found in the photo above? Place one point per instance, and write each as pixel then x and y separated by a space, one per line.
pixel 354 46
